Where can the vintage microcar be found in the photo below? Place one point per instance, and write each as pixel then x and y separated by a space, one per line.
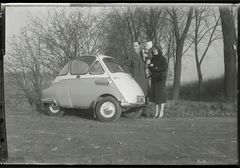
pixel 94 82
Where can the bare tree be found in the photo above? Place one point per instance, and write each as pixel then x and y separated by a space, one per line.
pixel 180 38
pixel 168 40
pixel 127 25
pixel 45 46
pixel 229 40
pixel 25 63
pixel 130 17
pixel 67 35
pixel 153 23
pixel 119 37
pixel 205 34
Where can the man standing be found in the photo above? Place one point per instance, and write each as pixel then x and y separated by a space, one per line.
pixel 138 68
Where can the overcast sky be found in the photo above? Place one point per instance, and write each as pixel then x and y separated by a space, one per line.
pixel 16 18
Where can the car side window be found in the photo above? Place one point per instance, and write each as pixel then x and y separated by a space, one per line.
pixel 79 67
pixel 64 71
pixel 96 69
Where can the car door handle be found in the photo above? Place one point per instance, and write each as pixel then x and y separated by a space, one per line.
pixel 102 82
pixel 78 76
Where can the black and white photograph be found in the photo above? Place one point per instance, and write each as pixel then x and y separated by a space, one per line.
pixel 119 84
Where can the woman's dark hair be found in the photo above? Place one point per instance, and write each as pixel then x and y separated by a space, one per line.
pixel 158 48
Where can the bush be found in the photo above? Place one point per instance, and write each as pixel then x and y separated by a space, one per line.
pixel 213 90
pixel 15 99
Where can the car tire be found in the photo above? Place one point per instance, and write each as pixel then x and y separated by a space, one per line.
pixel 108 109
pixel 54 110
pixel 133 114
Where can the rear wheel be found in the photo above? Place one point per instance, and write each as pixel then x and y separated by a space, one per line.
pixel 54 110
pixel 108 109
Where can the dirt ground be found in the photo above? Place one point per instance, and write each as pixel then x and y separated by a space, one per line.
pixel 79 139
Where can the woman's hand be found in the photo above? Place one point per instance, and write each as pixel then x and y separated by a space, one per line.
pixel 148 61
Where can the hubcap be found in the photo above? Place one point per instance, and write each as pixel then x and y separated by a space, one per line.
pixel 54 108
pixel 108 109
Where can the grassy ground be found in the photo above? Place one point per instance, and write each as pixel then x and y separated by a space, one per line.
pixel 77 138
pixel 196 109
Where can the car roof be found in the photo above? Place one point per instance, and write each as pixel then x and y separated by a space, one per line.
pixel 104 56
pixel 99 56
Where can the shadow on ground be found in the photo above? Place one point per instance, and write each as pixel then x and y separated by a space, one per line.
pixel 81 113
pixel 88 114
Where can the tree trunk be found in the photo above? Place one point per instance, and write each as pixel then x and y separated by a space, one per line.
pixel 228 31
pixel 198 63
pixel 179 51
pixel 200 82
pixel 177 72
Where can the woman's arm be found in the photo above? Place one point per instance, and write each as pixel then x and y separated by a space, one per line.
pixel 159 68
pixel 161 65
pixel 164 65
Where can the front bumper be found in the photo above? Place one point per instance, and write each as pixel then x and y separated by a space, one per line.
pixel 48 100
pixel 131 105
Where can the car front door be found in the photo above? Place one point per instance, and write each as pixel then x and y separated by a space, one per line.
pixel 86 85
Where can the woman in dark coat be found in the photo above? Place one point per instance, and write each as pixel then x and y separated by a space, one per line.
pixel 158 68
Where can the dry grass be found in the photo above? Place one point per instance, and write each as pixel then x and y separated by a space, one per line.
pixel 196 109
pixel 213 90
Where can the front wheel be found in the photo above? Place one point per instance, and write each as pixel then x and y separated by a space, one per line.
pixel 108 109
pixel 54 110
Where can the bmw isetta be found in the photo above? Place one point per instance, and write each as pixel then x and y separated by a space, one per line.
pixel 94 82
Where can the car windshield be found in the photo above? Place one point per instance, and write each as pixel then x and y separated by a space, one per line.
pixel 113 65
pixel 81 65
